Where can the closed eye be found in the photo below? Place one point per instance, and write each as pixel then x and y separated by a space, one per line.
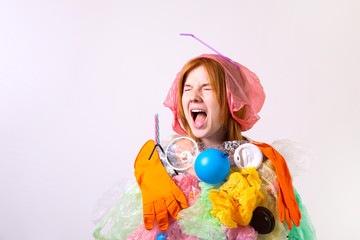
pixel 206 87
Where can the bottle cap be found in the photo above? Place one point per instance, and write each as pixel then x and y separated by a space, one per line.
pixel 263 220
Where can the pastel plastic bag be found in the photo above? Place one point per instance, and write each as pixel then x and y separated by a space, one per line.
pixel 123 218
pixel 197 219
pixel 240 233
pixel 173 232
pixel 237 198
pixel 306 230
pixel 189 185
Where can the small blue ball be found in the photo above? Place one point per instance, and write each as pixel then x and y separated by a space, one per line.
pixel 212 166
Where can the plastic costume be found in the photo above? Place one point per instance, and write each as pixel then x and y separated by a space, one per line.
pixel 181 207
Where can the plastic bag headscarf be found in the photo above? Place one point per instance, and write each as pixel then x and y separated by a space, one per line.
pixel 243 89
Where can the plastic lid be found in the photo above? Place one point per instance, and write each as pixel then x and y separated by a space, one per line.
pixel 248 155
pixel 263 220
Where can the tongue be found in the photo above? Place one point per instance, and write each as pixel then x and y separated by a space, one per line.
pixel 200 119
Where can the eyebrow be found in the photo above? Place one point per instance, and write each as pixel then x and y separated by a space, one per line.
pixel 202 85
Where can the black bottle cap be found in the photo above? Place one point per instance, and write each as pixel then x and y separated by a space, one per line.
pixel 263 220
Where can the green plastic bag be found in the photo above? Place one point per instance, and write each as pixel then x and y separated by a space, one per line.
pixel 197 220
pixel 306 230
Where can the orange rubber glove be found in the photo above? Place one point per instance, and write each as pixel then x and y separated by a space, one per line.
pixel 287 204
pixel 160 194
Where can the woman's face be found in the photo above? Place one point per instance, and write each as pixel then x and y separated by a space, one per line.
pixel 201 108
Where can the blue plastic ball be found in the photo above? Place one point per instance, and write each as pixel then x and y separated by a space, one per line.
pixel 212 166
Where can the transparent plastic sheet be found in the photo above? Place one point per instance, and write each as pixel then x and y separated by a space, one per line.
pixel 197 219
pixel 270 188
pixel 306 230
pixel 227 146
pixel 109 199
pixel 240 233
pixel 168 168
pixel 123 218
pixel 296 156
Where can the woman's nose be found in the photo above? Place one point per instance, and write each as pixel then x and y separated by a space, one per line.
pixel 195 96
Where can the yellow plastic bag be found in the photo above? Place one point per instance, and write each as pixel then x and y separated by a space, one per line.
pixel 236 199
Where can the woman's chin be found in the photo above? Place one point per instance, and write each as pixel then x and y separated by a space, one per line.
pixel 199 133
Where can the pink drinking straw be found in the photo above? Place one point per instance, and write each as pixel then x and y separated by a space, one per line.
pixel 227 59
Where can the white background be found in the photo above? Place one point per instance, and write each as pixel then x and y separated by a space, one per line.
pixel 80 82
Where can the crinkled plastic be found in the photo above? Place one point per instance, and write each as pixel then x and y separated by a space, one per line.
pixel 237 198
pixel 142 233
pixel 270 188
pixel 109 199
pixel 197 219
pixel 243 89
pixel 189 185
pixel 123 218
pixel 296 156
pixel 306 229
pixel 225 208
pixel 173 232
pixel 240 233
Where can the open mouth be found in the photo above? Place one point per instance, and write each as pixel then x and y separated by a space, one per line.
pixel 199 117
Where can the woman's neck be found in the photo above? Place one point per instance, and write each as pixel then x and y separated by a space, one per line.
pixel 216 139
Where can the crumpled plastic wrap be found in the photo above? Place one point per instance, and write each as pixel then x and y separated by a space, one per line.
pixel 296 155
pixel 123 218
pixel 306 229
pixel 189 185
pixel 173 232
pixel 225 208
pixel 237 198
pixel 109 199
pixel 270 189
pixel 240 233
pixel 197 219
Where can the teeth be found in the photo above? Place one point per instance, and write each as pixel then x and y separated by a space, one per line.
pixel 195 110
